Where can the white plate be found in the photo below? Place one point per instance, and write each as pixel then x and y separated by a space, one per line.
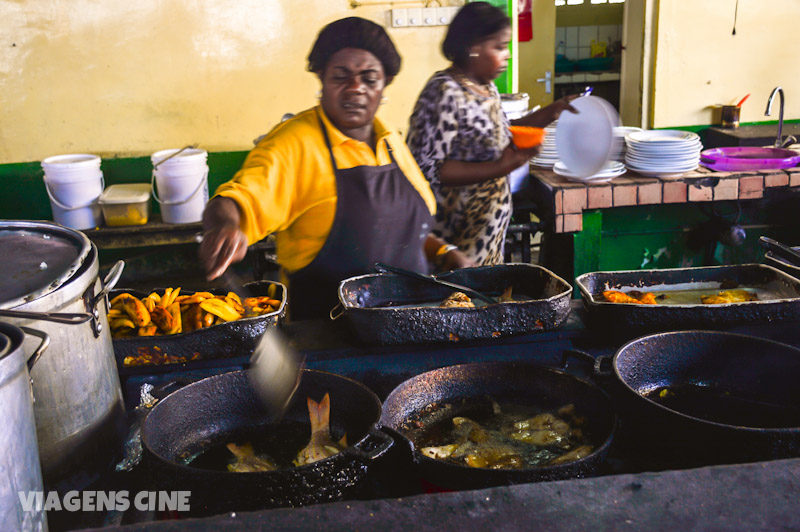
pixel 585 141
pixel 661 167
pixel 610 170
pixel 663 135
pixel 661 173
pixel 662 160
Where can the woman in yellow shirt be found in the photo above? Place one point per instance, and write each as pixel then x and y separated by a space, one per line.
pixel 339 190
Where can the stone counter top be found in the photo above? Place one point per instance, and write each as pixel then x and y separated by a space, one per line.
pixel 567 200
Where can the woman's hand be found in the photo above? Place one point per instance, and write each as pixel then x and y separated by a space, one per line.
pixel 513 157
pixel 223 242
pixel 455 259
pixel 547 115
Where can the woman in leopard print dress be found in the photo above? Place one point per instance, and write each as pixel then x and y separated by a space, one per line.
pixel 459 135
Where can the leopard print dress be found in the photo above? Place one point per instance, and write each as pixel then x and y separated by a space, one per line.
pixel 452 122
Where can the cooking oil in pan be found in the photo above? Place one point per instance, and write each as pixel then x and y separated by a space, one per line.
pixel 692 293
pixel 712 403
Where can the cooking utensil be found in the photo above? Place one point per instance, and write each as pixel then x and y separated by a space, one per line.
pixel 519 383
pixel 781 250
pixel 746 96
pixel 226 408
pixel 780 299
pixel 391 309
pixel 748 408
pixel 379 266
pixel 275 366
pixel 175 154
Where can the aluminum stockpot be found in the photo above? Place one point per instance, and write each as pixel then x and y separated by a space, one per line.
pixel 78 403
pixel 19 459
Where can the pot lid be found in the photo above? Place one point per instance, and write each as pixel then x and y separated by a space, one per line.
pixel 39 258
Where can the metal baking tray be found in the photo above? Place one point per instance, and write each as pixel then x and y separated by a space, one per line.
pixel 225 340
pixel 779 298
pixel 389 309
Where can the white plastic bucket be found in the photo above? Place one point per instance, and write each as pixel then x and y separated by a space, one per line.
pixel 74 183
pixel 180 184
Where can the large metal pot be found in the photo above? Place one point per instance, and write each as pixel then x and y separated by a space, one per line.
pixel 19 459
pixel 78 400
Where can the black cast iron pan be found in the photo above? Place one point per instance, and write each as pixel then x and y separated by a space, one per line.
pixel 718 395
pixel 512 382
pixel 225 340
pixel 389 309
pixel 627 320
pixel 223 408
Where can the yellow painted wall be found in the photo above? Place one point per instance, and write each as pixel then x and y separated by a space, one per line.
pixel 588 14
pixel 130 78
pixel 700 63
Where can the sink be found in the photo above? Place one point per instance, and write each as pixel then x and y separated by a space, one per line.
pixel 748 158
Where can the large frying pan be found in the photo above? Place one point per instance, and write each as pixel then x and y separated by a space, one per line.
pixel 513 382
pixel 750 406
pixel 218 409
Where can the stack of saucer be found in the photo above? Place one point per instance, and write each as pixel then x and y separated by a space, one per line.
pixel 548 155
pixel 609 171
pixel 662 153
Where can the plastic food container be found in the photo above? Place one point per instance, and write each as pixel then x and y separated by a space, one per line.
pixel 126 204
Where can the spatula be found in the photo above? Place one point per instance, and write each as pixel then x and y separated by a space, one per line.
pixel 781 250
pixel 275 366
pixel 381 267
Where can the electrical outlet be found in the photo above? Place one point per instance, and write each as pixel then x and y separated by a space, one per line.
pixel 414 16
pixel 399 18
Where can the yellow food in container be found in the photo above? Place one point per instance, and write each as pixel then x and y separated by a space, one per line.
pixel 126 204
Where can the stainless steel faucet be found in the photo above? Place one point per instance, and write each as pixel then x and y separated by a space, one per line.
pixel 779 142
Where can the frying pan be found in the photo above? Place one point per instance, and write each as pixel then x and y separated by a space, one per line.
pixel 223 408
pixel 519 383
pixel 755 379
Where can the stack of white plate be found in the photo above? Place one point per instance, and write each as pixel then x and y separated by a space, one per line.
pixel 620 132
pixel 662 153
pixel 548 155
pixel 609 171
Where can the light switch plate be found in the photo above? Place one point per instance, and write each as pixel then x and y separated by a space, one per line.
pixel 399 18
pixel 414 16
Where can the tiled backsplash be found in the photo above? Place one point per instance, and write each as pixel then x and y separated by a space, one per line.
pixel 577 40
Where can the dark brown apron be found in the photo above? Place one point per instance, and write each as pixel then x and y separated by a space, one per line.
pixel 380 217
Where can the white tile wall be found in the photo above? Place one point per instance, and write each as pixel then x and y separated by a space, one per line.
pixel 578 39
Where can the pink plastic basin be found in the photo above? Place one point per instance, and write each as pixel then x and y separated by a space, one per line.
pixel 748 158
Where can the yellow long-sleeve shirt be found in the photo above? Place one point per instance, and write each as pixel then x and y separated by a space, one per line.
pixel 286 185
